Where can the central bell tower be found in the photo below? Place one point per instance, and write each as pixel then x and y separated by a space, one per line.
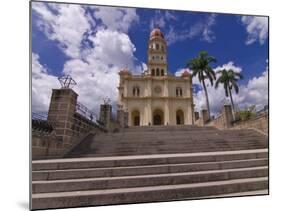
pixel 157 54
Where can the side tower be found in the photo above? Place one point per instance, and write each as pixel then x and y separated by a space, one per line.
pixel 157 54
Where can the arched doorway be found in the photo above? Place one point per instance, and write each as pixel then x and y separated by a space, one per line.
pixel 180 117
pixel 136 118
pixel 158 117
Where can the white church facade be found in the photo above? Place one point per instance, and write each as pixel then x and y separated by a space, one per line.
pixel 156 97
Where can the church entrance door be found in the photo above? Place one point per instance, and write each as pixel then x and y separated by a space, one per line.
pixel 136 118
pixel 137 121
pixel 158 117
pixel 180 117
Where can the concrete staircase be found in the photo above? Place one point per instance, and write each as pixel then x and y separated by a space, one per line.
pixel 168 139
pixel 147 164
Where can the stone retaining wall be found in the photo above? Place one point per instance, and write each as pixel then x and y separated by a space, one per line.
pixel 258 123
pixel 67 124
pixel 46 145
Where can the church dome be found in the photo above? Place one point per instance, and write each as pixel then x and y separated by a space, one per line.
pixel 156 33
pixel 185 74
pixel 124 71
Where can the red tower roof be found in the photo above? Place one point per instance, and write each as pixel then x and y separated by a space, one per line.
pixel 185 74
pixel 124 71
pixel 156 33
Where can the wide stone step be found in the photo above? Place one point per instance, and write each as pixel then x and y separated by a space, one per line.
pixel 146 194
pixel 181 134
pixel 202 144
pixel 146 180
pixel 163 149
pixel 156 159
pixel 169 127
pixel 176 138
pixel 143 170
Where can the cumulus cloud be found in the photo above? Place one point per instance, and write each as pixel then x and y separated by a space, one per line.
pixel 65 23
pixel 255 92
pixel 119 19
pixel 256 27
pixel 42 84
pixel 203 29
pixel 227 66
pixel 97 76
pixel 94 67
pixel 180 71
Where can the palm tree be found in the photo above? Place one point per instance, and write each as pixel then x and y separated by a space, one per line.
pixel 200 67
pixel 229 80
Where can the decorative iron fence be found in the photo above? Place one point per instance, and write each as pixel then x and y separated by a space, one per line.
pixel 39 115
pixel 40 123
pixel 84 111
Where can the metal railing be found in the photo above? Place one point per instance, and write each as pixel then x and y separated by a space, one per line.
pixel 84 111
pixel 39 115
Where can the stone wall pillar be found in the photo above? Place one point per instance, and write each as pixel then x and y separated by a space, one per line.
pixel 196 115
pixel 61 113
pixel 106 115
pixel 227 116
pixel 121 118
pixel 126 119
pixel 205 116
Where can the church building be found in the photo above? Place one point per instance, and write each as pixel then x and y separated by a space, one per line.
pixel 156 97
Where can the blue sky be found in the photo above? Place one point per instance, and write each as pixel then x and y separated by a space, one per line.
pixel 93 43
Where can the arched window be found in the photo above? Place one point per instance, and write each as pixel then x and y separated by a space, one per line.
pixel 162 72
pixel 157 72
pixel 162 47
pixel 179 92
pixel 136 91
pixel 153 72
pixel 157 46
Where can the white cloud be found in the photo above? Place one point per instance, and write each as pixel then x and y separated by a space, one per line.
pixel 95 69
pixel 157 23
pixel 208 34
pixel 255 92
pixel 42 85
pixel 180 71
pixel 257 28
pixel 203 29
pixel 119 19
pixel 120 52
pixel 173 36
pixel 227 66
pixel 170 16
pixel 97 76
pixel 65 23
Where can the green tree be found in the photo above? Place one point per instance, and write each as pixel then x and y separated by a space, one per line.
pixel 229 78
pixel 200 67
